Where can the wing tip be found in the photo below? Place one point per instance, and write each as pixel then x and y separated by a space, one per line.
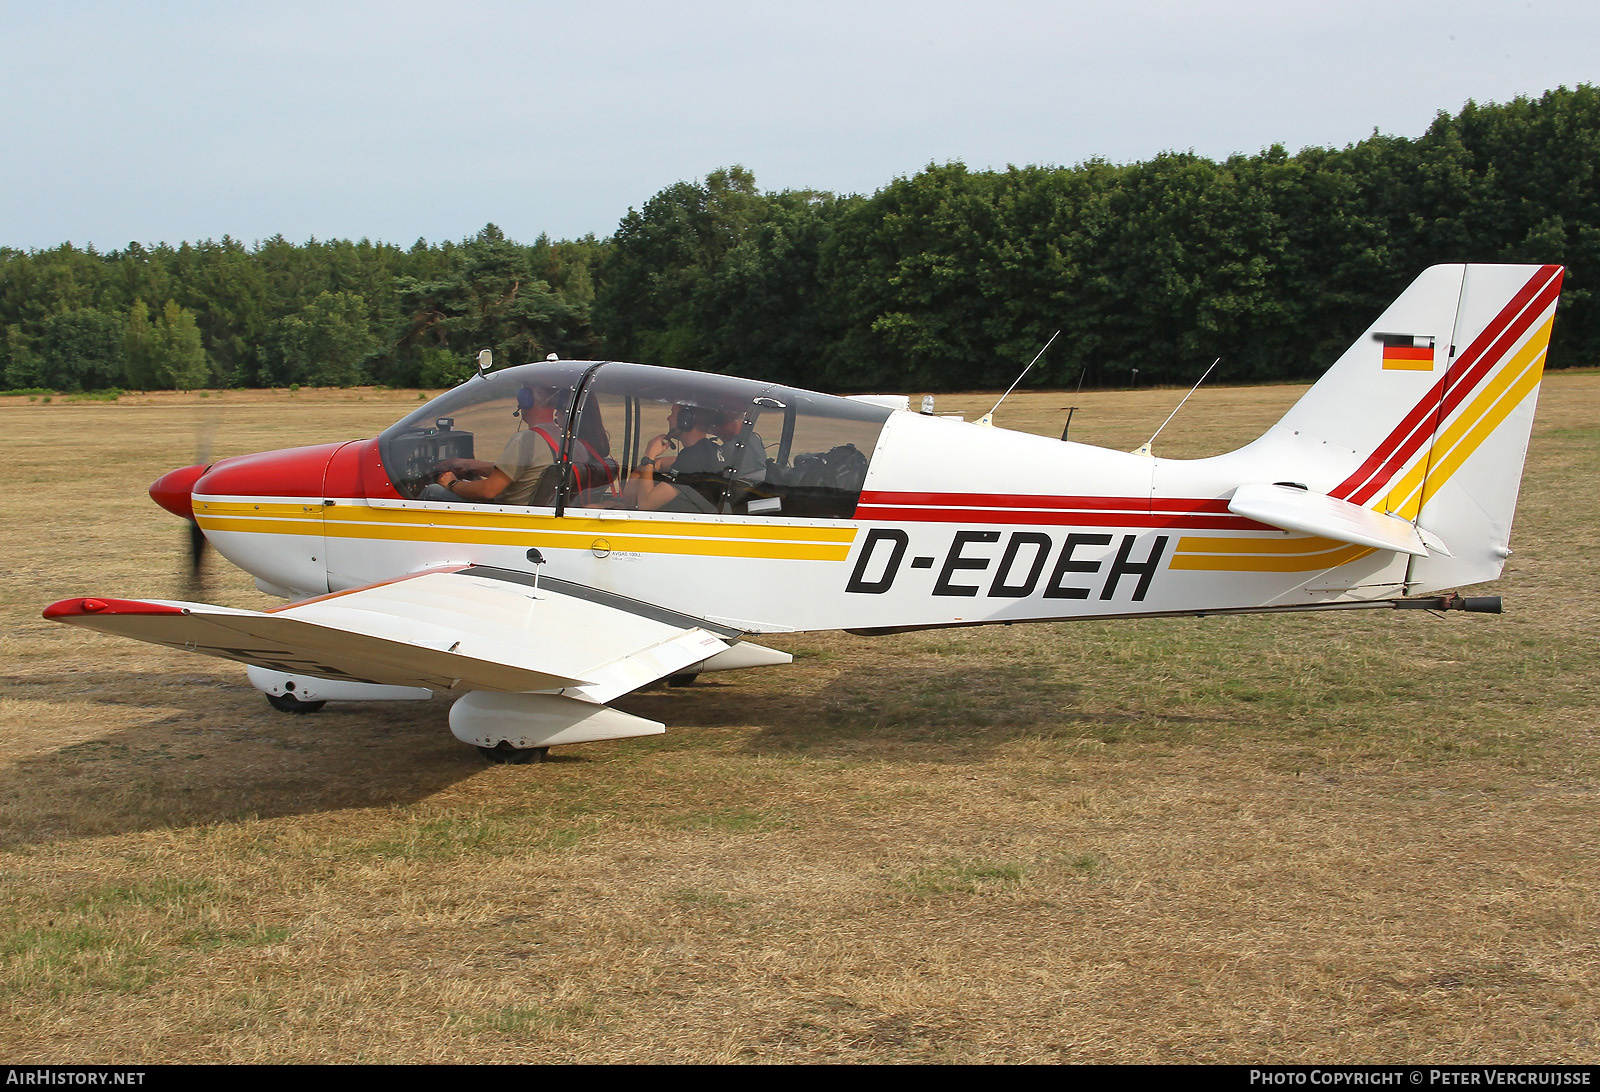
pixel 91 605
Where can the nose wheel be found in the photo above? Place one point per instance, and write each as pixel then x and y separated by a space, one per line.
pixel 503 754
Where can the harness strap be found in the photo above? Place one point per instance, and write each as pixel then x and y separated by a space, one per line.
pixel 586 472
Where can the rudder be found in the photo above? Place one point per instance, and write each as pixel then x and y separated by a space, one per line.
pixel 1464 491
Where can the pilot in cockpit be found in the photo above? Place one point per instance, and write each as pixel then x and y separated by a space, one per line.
pixel 514 477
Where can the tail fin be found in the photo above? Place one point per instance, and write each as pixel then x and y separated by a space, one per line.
pixel 1427 415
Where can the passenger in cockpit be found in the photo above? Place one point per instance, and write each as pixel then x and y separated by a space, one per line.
pixel 751 458
pixel 516 475
pixel 663 481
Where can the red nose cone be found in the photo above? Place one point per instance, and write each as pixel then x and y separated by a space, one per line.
pixel 173 489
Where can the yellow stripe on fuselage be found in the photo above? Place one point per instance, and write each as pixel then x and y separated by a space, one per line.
pixel 1282 544
pixel 1274 555
pixel 355 512
pixel 503 528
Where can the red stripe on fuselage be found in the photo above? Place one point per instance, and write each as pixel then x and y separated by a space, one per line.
pixel 885 514
pixel 1458 381
pixel 878 497
pixel 1199 513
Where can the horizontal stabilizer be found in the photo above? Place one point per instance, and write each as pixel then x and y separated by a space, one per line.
pixel 1297 509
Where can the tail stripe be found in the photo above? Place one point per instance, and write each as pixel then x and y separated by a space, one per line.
pixel 1469 429
pixel 1478 393
pixel 1534 346
pixel 1490 408
pixel 1460 379
pixel 1543 307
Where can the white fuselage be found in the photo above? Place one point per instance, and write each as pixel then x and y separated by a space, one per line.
pixel 958 525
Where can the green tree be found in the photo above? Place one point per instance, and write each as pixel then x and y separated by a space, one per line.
pixel 763 311
pixel 1518 182
pixel 324 344
pixel 82 349
pixel 19 364
pixel 492 298
pixel 177 355
pixel 927 281
pixel 139 348
pixel 443 368
pixel 661 256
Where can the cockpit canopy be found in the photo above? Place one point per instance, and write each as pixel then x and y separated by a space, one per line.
pixel 758 449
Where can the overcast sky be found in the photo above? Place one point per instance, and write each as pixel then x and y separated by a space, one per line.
pixel 399 120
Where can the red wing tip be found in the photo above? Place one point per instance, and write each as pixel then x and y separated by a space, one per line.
pixel 77 608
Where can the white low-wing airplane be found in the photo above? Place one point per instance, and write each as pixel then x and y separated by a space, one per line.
pixel 549 537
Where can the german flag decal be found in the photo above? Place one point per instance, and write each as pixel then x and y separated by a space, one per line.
pixel 1406 352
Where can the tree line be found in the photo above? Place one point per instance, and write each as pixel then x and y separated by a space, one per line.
pixel 947 279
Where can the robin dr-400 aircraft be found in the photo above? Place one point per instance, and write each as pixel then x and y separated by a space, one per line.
pixel 544 539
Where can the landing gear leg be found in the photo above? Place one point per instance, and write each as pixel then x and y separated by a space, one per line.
pixel 503 754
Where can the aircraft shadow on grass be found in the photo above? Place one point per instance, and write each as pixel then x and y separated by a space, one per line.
pixel 935 714
pixel 232 758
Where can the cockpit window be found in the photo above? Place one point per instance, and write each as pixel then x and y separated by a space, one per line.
pixel 515 419
pixel 644 438
pixel 696 442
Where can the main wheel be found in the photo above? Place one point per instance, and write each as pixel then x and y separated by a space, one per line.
pixel 685 678
pixel 288 703
pixel 503 754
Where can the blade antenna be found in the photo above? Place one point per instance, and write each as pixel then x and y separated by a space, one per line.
pixel 1146 448
pixel 986 418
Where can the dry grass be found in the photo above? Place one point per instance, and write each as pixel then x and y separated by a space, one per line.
pixel 1337 838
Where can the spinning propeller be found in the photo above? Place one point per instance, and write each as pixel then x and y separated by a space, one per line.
pixel 205 432
pixel 195 584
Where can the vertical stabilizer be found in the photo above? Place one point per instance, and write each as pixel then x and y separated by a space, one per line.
pixel 1427 415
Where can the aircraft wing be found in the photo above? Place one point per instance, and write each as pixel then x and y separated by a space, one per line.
pixel 473 628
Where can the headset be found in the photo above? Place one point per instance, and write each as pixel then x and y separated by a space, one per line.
pixel 526 400
pixel 686 418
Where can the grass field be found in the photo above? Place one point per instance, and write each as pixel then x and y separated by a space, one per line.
pixel 1350 837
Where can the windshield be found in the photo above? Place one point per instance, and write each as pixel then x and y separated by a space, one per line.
pixel 643 438
pixel 481 420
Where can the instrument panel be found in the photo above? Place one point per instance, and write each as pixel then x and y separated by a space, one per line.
pixel 411 456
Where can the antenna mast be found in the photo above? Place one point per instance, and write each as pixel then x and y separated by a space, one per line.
pixel 988 418
pixel 1145 450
